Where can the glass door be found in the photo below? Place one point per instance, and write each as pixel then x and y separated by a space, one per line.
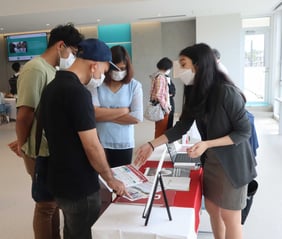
pixel 256 69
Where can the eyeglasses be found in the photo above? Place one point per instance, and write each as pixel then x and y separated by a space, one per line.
pixel 122 67
pixel 73 49
pixel 113 66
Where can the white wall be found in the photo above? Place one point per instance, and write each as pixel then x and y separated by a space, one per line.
pixel 175 37
pixel 223 33
pixel 150 42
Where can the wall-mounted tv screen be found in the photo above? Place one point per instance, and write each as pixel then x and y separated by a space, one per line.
pixel 24 47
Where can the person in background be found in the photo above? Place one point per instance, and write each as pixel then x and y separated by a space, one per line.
pixel 4 108
pixel 220 65
pixel 119 105
pixel 160 93
pixel 13 80
pixel 34 77
pixel 218 108
pixel 76 155
pixel 172 92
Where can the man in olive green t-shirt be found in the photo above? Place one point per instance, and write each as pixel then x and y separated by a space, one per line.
pixel 35 75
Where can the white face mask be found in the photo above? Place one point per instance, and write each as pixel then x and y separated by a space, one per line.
pixel 67 62
pixel 187 77
pixel 94 83
pixel 118 75
pixel 167 72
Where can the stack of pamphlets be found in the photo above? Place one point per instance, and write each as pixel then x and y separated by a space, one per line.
pixel 173 178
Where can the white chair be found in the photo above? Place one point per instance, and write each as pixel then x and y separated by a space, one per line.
pixel 4 113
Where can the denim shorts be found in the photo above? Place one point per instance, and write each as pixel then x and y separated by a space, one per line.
pixel 39 189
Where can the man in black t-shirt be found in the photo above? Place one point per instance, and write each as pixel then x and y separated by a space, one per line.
pixel 76 155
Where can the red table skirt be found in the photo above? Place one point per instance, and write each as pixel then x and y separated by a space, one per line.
pixel 191 198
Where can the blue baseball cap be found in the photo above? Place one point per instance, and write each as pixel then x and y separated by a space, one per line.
pixel 95 50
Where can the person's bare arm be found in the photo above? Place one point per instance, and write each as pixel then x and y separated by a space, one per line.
pixel 97 158
pixel 199 148
pixel 145 150
pixel 109 114
pixel 25 117
pixel 126 119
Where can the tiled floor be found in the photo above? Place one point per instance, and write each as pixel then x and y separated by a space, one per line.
pixel 264 220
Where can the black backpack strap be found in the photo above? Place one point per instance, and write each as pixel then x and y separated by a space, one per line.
pixel 39 129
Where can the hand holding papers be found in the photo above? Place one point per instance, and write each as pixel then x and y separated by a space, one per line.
pixel 137 185
pixel 129 175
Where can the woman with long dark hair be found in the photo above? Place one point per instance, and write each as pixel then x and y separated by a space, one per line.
pixel 217 106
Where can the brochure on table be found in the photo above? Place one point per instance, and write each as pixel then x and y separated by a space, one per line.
pixel 173 178
pixel 158 199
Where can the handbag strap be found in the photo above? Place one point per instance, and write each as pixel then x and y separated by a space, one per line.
pixel 153 80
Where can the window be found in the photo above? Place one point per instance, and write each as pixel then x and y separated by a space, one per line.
pixel 256 60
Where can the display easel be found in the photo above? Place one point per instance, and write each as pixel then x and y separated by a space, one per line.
pixel 157 180
pixel 151 199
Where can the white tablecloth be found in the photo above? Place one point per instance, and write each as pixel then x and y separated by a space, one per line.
pixel 122 221
pixel 12 102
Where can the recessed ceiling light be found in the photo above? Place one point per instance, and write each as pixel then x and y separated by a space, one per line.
pixel 1 29
pixel 98 20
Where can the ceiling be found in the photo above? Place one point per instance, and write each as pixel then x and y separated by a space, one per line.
pixel 33 15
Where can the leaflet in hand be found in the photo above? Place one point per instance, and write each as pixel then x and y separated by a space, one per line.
pixel 135 182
